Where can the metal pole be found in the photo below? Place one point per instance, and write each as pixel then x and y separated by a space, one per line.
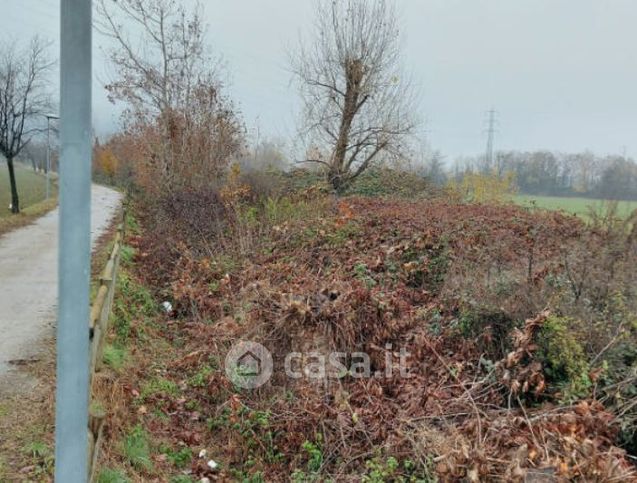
pixel 71 427
pixel 488 158
pixel 48 154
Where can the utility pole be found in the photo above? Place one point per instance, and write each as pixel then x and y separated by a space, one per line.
pixel 491 130
pixel 74 252
pixel 48 153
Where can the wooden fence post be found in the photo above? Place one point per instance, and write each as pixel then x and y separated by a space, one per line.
pixel 98 325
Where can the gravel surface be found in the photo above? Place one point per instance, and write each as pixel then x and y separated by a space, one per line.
pixel 28 285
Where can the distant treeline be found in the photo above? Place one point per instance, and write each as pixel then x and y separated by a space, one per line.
pixel 558 174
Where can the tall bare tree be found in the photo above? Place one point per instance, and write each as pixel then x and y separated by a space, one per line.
pixel 23 98
pixel 171 86
pixel 357 104
pixel 160 65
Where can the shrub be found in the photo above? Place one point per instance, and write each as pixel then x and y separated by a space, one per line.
pixel 175 221
pixel 563 358
pixel 484 188
pixel 489 327
pixel 386 181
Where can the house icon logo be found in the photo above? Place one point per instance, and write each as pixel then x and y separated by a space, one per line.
pixel 248 365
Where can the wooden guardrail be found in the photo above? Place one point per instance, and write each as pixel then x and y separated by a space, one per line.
pixel 98 328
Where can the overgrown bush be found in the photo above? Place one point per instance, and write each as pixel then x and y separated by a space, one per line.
pixel 564 361
pixel 384 181
pixel 497 384
pixel 484 188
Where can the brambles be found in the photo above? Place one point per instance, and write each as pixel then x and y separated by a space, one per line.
pixel 496 386
pixel 384 181
pixel 425 264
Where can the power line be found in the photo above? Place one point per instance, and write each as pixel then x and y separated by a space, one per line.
pixel 491 130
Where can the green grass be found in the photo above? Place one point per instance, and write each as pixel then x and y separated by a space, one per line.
pixel 31 188
pixel 137 449
pixel 159 386
pixel 575 206
pixel 108 475
pixel 114 356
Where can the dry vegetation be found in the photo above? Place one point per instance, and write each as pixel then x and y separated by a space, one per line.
pixel 516 328
pixel 519 328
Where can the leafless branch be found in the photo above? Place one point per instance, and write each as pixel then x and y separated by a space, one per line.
pixel 357 104
pixel 23 98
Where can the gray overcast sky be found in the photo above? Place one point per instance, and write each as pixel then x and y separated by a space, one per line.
pixel 561 73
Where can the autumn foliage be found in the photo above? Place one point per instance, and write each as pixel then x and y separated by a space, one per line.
pixel 484 187
pixel 509 344
pixel 105 163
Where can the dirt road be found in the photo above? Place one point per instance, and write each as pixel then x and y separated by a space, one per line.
pixel 28 284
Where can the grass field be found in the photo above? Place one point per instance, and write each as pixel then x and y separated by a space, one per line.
pixel 31 188
pixel 577 206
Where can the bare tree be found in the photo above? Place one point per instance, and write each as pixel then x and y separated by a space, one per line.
pixel 158 68
pixel 171 86
pixel 357 104
pixel 23 97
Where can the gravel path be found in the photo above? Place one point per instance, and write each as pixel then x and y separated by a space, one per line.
pixel 28 283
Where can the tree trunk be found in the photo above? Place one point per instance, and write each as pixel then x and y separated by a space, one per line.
pixel 15 202
pixel 339 172
pixel 335 179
